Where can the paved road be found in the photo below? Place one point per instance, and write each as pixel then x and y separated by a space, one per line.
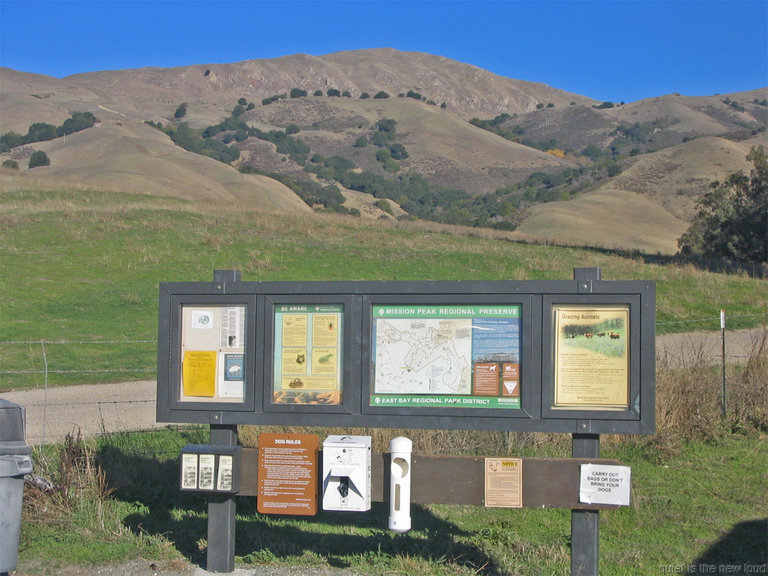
pixel 96 409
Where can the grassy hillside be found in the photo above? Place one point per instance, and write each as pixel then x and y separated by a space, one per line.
pixel 128 156
pixel 80 264
pixel 647 206
pixel 475 148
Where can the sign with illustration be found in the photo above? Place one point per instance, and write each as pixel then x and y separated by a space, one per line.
pixel 212 353
pixel 529 356
pixel 465 356
pixel 307 353
pixel 591 357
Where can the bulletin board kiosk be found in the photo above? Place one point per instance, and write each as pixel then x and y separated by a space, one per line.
pixel 575 357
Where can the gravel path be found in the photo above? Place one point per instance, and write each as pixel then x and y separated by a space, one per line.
pixel 100 408
pixel 91 409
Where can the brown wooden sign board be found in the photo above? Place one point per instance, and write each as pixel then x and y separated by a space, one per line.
pixel 547 482
pixel 286 478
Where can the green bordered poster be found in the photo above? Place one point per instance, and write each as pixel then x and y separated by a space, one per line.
pixel 307 353
pixel 457 356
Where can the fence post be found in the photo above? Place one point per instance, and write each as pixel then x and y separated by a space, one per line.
pixel 45 397
pixel 722 339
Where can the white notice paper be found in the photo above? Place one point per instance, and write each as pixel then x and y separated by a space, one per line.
pixel 604 484
pixel 189 472
pixel 207 464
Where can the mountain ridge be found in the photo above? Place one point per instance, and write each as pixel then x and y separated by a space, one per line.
pixel 462 127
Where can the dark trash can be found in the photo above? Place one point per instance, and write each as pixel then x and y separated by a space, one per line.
pixel 15 463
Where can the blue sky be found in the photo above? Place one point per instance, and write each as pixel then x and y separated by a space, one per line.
pixel 608 50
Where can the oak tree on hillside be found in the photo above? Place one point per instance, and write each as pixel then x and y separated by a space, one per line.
pixel 731 220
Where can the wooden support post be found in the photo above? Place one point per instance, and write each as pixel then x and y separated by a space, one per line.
pixel 585 527
pixel 220 556
pixel 221 513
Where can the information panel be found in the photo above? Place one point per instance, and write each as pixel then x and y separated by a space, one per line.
pixel 571 356
pixel 503 482
pixel 592 357
pixel 308 353
pixel 212 353
pixel 287 474
pixel 446 356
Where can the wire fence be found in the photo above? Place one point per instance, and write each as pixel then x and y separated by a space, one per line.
pixel 39 374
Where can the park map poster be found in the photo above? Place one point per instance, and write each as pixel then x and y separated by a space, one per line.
pixel 591 357
pixel 446 356
pixel 307 353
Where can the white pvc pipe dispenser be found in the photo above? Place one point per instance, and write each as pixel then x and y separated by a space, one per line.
pixel 400 484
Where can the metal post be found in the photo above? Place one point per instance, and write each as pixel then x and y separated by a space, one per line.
pixel 722 338
pixel 585 527
pixel 221 513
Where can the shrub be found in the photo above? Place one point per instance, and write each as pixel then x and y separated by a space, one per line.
pixel 386 125
pixel 384 205
pixel 391 166
pixel 79 121
pixel 380 95
pixel 11 164
pixel 39 158
pixel 10 140
pixel 383 154
pixel 398 151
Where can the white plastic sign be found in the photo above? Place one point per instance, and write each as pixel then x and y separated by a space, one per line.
pixel 604 484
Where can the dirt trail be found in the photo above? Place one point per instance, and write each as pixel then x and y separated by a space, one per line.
pixel 91 409
pixel 682 349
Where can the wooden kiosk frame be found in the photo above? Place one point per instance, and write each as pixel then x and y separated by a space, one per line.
pixel 578 357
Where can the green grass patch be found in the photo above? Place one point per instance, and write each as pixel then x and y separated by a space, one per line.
pixel 692 503
pixel 81 268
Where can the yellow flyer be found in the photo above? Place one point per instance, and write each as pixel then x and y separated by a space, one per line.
pixel 198 373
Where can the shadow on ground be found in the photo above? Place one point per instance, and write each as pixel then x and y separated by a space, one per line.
pixel 743 550
pixel 338 537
